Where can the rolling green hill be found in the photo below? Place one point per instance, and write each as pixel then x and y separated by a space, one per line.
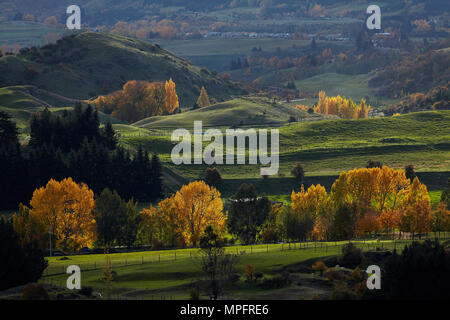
pixel 21 101
pixel 243 111
pixel 325 148
pixel 88 64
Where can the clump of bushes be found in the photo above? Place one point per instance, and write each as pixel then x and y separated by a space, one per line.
pixel 319 266
pixel 278 281
pixel 351 256
pixel 86 291
pixel 35 291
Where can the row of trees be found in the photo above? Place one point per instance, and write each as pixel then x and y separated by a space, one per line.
pixel 342 107
pixel 140 99
pixel 72 145
pixel 361 202
pixel 67 212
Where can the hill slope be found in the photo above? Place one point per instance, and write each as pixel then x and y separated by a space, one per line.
pixel 21 101
pixel 88 64
pixel 237 112
pixel 330 146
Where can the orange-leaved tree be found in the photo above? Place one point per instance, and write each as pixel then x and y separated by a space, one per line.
pixel 416 208
pixel 203 99
pixel 65 208
pixel 171 100
pixel 314 203
pixel 194 207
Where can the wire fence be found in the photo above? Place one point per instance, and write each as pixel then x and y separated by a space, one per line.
pixel 59 267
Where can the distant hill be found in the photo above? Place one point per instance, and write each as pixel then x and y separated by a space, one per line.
pixel 237 112
pixel 21 101
pixel 88 64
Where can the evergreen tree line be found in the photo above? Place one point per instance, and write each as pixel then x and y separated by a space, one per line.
pixel 72 145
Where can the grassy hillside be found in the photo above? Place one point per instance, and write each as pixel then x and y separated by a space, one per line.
pixel 87 64
pixel 325 148
pixel 21 101
pixel 243 112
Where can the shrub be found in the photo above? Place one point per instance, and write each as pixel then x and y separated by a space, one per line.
pixel 258 276
pixel 298 172
pixel 409 172
pixel 35 291
pixel 278 281
pixel 342 292
pixel 320 267
pixel 249 272
pixel 86 291
pixel 333 274
pixel 212 176
pixel 351 256
pixel 234 278
pixel 194 294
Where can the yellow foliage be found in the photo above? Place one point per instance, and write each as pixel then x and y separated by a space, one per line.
pixel 65 208
pixel 342 107
pixel 203 99
pixel 192 209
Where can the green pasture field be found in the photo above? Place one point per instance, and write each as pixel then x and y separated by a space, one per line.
pixel 141 275
pixel 325 148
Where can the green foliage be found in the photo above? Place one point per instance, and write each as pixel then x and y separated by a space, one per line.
pixel 351 256
pixel 298 172
pixel 420 272
pixel 248 213
pixel 296 225
pixel 212 176
pixel 445 197
pixel 110 215
pixel 216 265
pixel 19 265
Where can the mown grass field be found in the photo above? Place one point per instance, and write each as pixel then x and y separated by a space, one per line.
pixel 142 275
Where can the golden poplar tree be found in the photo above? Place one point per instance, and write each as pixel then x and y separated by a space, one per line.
pixel 65 208
pixel 203 99
pixel 192 209
pixel 171 99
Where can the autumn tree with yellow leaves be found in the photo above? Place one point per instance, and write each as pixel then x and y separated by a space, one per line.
pixel 311 209
pixel 139 99
pixel 171 99
pixel 185 215
pixel 65 208
pixel 342 107
pixel 203 99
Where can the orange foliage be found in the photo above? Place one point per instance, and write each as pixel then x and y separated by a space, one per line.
pixel 139 99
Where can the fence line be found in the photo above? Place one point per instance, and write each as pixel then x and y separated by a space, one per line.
pixel 365 245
